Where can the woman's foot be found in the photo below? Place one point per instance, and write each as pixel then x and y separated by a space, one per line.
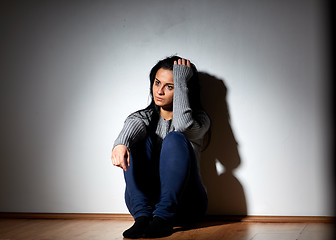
pixel 158 228
pixel 138 228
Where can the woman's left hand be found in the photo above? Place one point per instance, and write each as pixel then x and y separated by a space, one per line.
pixel 182 62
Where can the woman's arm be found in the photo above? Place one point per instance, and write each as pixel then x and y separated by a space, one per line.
pixel 200 126
pixel 134 129
pixel 183 120
pixel 182 113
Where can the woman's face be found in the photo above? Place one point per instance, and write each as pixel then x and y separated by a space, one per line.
pixel 163 89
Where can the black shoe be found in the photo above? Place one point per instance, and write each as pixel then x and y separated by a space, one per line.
pixel 138 228
pixel 158 228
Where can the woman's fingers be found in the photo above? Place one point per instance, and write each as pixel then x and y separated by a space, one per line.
pixel 114 160
pixel 121 157
pixel 128 159
pixel 183 61
pixel 121 163
pixel 123 166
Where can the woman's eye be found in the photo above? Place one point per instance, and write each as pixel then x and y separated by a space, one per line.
pixel 157 83
pixel 170 87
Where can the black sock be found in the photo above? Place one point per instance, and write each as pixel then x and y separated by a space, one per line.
pixel 158 228
pixel 138 228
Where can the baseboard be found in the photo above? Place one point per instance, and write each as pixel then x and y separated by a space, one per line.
pixel 274 219
pixel 85 216
pixel 221 218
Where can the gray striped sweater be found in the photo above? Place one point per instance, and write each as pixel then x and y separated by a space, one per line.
pixel 135 126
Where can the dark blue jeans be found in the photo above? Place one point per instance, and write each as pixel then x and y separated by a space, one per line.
pixel 164 180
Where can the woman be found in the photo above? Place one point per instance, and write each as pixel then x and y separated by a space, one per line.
pixel 158 149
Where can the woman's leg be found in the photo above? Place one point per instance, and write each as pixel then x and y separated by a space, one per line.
pixel 142 188
pixel 182 193
pixel 142 180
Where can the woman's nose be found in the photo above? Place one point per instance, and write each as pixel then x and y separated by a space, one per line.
pixel 160 91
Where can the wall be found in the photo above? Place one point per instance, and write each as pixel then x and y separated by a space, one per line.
pixel 72 71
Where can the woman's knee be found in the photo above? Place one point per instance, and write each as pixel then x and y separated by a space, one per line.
pixel 176 137
pixel 175 141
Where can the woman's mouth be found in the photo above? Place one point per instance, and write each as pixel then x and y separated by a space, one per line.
pixel 158 99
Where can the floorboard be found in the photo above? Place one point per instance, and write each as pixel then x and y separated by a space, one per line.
pixel 47 229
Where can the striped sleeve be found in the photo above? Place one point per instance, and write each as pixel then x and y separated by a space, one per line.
pixel 182 113
pixel 183 121
pixel 134 129
pixel 199 127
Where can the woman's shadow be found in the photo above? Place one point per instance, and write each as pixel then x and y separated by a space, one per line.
pixel 221 157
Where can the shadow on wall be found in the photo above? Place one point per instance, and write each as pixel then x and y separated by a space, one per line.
pixel 221 157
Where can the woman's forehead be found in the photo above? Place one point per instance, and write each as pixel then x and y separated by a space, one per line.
pixel 165 76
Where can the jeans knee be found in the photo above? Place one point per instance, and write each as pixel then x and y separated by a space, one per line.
pixel 175 137
pixel 176 140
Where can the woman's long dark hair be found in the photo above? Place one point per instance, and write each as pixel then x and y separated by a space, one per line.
pixel 193 83
pixel 193 93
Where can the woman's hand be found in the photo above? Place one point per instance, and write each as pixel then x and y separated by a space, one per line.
pixel 121 157
pixel 182 70
pixel 182 62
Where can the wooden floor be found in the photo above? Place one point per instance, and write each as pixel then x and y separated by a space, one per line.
pixel 35 229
